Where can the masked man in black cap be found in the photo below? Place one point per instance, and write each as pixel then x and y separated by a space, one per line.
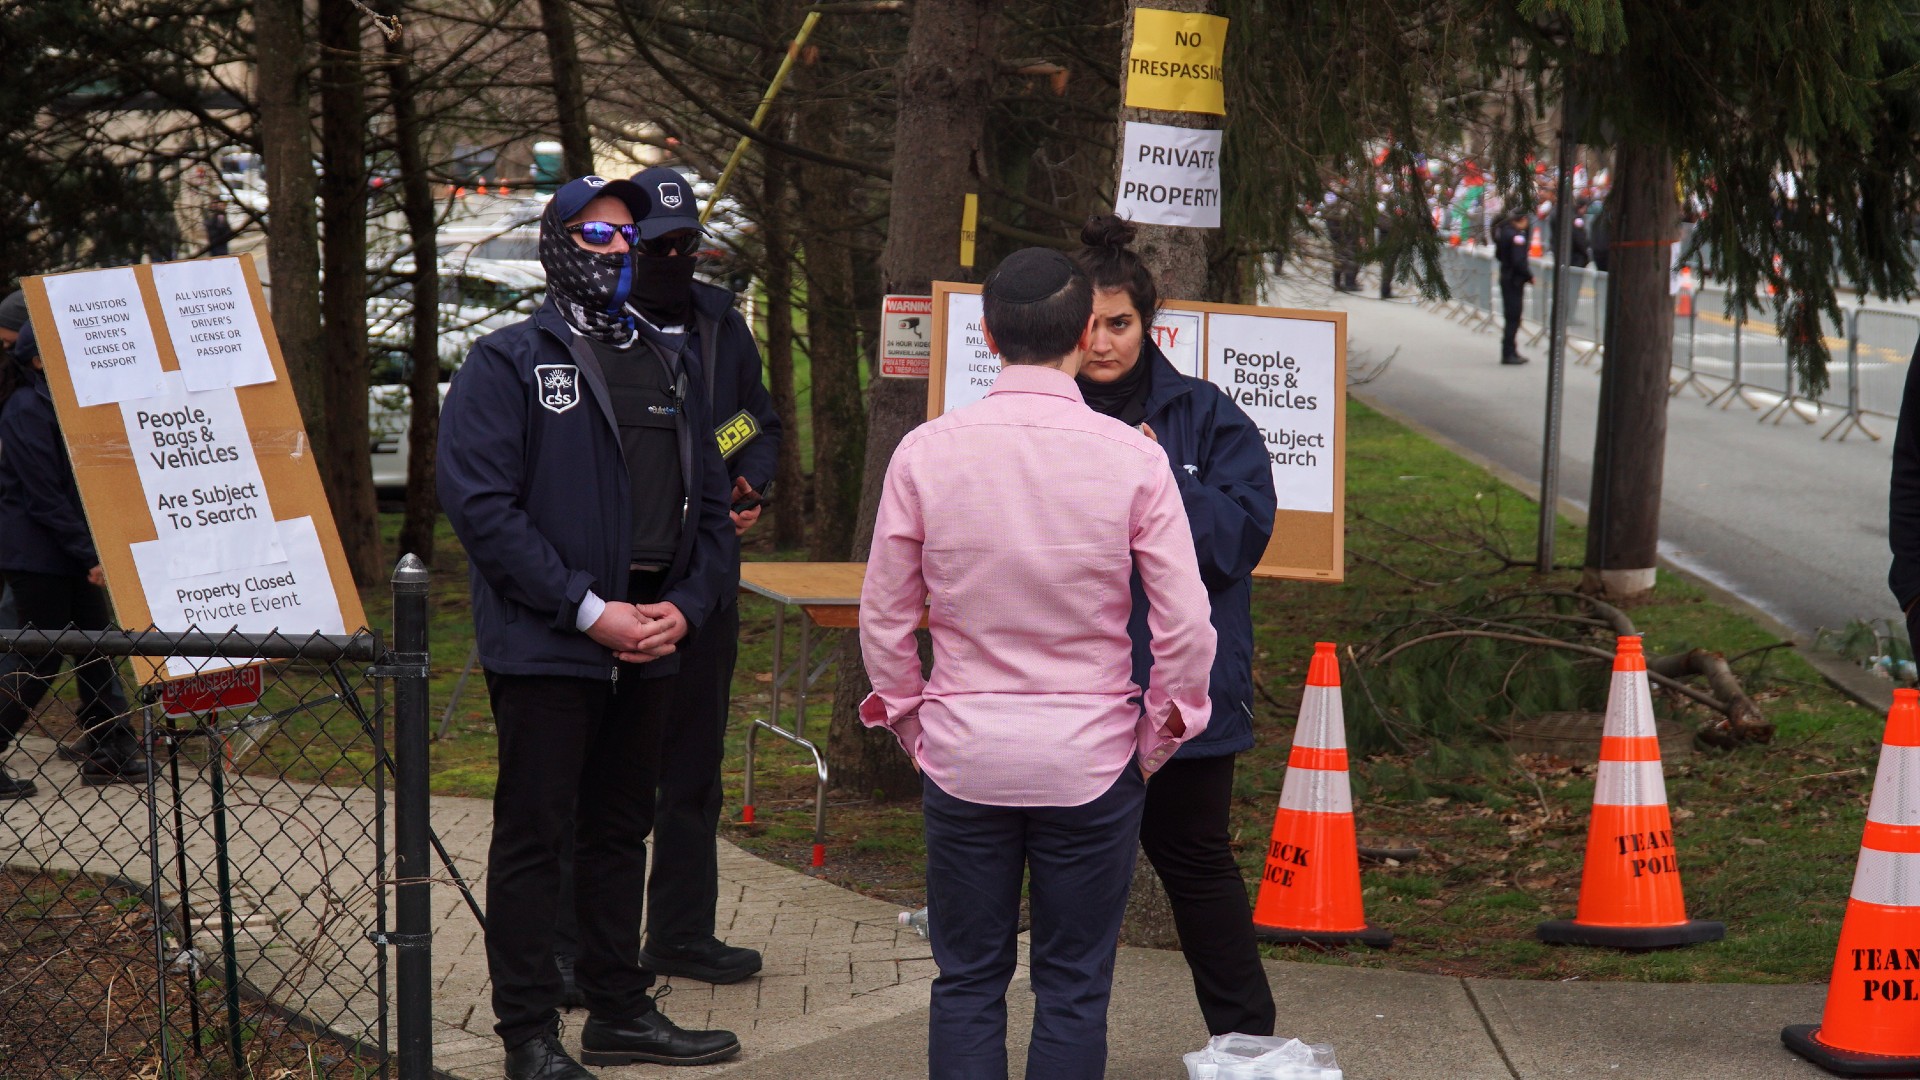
pixel 699 321
pixel 578 467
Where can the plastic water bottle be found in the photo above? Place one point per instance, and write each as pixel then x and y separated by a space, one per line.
pixel 917 920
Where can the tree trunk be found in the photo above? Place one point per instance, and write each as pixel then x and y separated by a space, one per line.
pixel 569 96
pixel 1629 456
pixel 945 88
pixel 423 385
pixel 789 509
pixel 347 468
pixel 833 338
pixel 1177 255
pixel 293 244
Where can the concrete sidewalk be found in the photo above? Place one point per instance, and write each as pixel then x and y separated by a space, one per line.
pixel 1386 1025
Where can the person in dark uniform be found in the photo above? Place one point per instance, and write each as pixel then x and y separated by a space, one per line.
pixel 1225 480
pixel 697 323
pixel 219 229
pixel 1903 505
pixel 53 574
pixel 1512 238
pixel 578 467
pixel 720 347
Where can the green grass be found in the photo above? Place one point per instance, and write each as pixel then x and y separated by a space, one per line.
pixel 1767 834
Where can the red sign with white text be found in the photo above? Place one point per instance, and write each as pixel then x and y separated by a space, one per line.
pixel 233 688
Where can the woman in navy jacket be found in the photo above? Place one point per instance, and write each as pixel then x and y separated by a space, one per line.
pixel 1220 463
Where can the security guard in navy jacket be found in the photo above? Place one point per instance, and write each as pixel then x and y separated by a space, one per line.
pixel 698 321
pixel 578 467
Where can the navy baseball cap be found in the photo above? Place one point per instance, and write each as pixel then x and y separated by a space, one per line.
pixel 674 206
pixel 574 196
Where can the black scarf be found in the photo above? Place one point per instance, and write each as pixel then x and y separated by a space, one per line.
pixel 663 288
pixel 1125 398
pixel 590 288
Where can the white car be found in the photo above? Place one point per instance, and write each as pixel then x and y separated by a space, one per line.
pixel 476 298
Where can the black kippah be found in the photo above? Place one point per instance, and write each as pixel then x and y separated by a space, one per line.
pixel 1029 275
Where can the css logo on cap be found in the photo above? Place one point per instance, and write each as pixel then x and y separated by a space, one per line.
pixel 669 194
pixel 594 181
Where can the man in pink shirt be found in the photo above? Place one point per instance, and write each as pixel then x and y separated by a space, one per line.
pixel 1022 518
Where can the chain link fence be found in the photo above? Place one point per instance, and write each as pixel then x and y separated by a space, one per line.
pixel 198 876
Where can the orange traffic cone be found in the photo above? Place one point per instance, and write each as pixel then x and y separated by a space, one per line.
pixel 1630 887
pixel 1683 307
pixel 1869 1027
pixel 1310 889
pixel 1536 250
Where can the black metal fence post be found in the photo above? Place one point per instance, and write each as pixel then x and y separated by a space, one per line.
pixel 413 909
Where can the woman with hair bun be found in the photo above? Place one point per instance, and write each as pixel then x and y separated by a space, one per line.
pixel 1220 465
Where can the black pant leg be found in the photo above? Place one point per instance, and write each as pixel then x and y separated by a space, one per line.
pixel 44 602
pixel 1187 836
pixel 544 725
pixel 617 783
pixel 685 883
pixel 1513 291
pixel 103 702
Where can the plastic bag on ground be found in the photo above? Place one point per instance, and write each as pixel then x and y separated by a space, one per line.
pixel 1261 1057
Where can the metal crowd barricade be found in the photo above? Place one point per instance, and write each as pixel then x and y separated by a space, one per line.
pixel 1710 342
pixel 1886 344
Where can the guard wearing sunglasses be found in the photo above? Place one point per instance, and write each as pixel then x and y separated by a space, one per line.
pixel 698 325
pixel 577 465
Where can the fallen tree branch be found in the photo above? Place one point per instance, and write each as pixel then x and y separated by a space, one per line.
pixel 1668 682
pixel 1741 720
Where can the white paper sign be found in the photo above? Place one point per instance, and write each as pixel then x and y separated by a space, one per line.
pixel 295 596
pixel 971 366
pixel 1170 176
pixel 203 485
pixel 210 318
pixel 1178 335
pixel 103 328
pixel 1281 371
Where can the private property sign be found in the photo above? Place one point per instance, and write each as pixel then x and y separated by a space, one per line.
pixel 1170 176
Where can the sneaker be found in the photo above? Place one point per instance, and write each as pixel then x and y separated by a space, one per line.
pixel 710 961
pixel 1516 358
pixel 14 787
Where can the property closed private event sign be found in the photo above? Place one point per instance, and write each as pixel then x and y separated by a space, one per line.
pixel 1286 369
pixel 197 476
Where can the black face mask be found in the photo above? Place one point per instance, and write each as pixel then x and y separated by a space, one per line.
pixel 663 288
pixel 590 287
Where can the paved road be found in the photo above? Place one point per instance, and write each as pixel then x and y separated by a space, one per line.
pixel 1793 524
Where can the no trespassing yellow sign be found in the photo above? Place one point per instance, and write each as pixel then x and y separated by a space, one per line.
pixel 1174 64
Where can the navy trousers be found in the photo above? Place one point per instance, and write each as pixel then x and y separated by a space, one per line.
pixel 1081 862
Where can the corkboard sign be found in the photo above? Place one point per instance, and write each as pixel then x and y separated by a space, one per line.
pixel 1286 368
pixel 195 470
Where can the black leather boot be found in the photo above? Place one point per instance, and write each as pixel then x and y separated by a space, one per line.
pixel 654 1039
pixel 543 1058
pixel 712 961
pixel 15 787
